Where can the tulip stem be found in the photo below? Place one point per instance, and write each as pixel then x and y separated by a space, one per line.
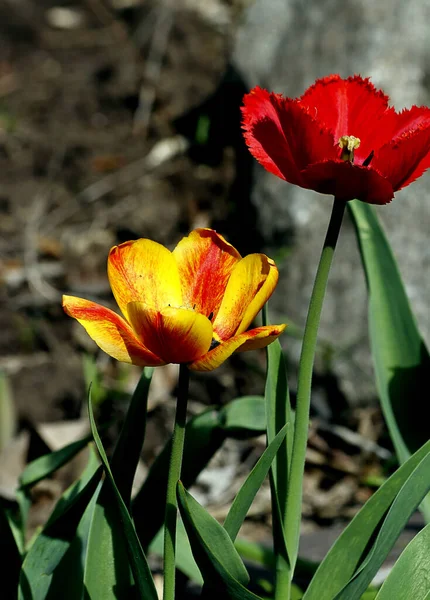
pixel 172 481
pixel 293 507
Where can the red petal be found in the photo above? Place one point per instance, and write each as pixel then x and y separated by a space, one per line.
pixel 143 271
pixel 406 158
pixel 350 106
pixel 249 340
pixel 110 332
pixel 346 181
pixel 282 136
pixel 205 262
pixel 250 286
pixel 177 335
pixel 391 126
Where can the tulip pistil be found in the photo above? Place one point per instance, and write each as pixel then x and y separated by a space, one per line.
pixel 348 143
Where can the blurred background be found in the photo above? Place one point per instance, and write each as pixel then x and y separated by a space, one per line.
pixel 120 119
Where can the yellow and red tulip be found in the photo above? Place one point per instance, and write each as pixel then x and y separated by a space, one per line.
pixel 193 305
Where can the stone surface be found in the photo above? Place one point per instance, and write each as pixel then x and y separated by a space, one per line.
pixel 284 45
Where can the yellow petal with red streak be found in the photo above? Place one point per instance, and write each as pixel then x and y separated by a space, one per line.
pixel 250 340
pixel 110 332
pixel 144 271
pixel 177 335
pixel 250 286
pixel 205 262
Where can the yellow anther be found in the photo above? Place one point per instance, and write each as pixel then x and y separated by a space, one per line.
pixel 348 143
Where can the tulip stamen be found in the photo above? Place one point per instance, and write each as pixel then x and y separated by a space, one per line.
pixel 211 316
pixel 348 143
pixel 368 160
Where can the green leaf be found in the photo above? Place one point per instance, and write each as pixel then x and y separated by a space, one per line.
pixel 221 566
pixel 349 550
pixel 9 549
pixel 203 437
pixel 45 465
pixel 72 565
pixel 141 572
pixel 112 576
pixel 407 500
pixel 93 378
pixel 244 415
pixel 279 414
pixel 107 569
pixel 184 557
pixel 401 360
pixel 409 577
pixel 242 502
pixel 264 556
pixel 126 455
pixel 52 543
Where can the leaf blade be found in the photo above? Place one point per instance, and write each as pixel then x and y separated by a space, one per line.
pixel 401 359
pixel 345 556
pixel 244 498
pixel 223 570
pixel 409 576
pixel 138 562
pixel 405 503
pixel 52 543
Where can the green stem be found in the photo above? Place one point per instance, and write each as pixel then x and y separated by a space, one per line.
pixel 304 383
pixel 172 481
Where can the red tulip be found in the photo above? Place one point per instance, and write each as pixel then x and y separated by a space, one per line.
pixel 339 138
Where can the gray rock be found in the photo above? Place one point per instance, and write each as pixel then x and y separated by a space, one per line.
pixel 284 45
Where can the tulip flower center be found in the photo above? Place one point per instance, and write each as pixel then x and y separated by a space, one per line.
pixel 348 143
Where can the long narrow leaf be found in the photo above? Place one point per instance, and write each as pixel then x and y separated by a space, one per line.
pixel 279 414
pixel 107 570
pixel 349 550
pixel 409 578
pixel 53 542
pixel 141 572
pixel 204 435
pixel 401 359
pixel 72 566
pixel 112 576
pixel 9 549
pixel 45 465
pixel 406 502
pixel 184 557
pixel 221 566
pixel 126 455
pixel 241 504
pixel 243 415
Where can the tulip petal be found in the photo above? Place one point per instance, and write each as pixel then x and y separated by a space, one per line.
pixel 177 335
pixel 393 126
pixel 351 106
pixel 110 332
pixel 143 271
pixel 406 158
pixel 347 181
pixel 283 136
pixel 251 284
pixel 205 262
pixel 249 340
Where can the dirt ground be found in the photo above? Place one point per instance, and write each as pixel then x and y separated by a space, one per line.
pixel 120 120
